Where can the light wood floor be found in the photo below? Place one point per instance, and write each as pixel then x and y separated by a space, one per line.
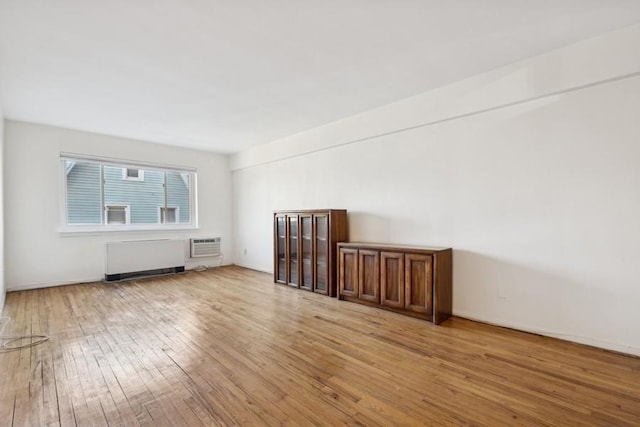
pixel 228 347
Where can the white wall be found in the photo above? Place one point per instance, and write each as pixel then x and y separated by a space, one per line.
pixel 2 284
pixel 38 254
pixel 529 172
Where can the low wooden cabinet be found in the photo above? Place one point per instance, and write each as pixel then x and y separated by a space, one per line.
pixel 305 252
pixel 416 281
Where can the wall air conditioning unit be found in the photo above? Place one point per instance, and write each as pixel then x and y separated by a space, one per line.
pixel 207 247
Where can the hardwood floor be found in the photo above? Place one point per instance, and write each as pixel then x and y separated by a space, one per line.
pixel 228 346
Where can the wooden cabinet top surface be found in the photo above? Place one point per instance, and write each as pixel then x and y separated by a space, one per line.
pixel 309 211
pixel 391 248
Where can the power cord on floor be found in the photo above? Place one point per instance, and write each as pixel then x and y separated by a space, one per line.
pixel 9 343
pixel 206 267
pixel 17 342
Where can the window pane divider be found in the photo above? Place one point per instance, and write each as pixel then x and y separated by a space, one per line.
pixel 102 202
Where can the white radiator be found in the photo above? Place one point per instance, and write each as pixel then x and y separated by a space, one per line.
pixel 143 257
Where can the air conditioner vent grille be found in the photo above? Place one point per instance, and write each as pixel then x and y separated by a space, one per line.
pixel 206 247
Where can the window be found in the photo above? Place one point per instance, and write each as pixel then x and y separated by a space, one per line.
pixel 117 214
pixel 169 215
pixel 132 174
pixel 105 194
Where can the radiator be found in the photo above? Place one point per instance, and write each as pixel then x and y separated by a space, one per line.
pixel 129 259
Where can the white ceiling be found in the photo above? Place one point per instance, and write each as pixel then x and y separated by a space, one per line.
pixel 227 75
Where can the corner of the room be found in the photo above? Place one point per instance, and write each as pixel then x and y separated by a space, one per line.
pixel 2 287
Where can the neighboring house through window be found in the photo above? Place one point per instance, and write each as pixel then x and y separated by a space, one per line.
pixel 104 193
pixel 169 215
pixel 132 174
pixel 116 214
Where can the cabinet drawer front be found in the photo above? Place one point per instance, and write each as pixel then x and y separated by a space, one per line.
pixel 392 279
pixel 419 283
pixel 348 268
pixel 369 275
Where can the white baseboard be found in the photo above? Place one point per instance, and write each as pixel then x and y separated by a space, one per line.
pixel 31 286
pixel 251 267
pixel 593 342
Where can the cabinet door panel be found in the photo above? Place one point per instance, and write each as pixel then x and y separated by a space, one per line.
pixel 348 272
pixel 321 244
pixel 306 252
pixel 280 239
pixel 369 275
pixel 293 267
pixel 392 279
pixel 419 283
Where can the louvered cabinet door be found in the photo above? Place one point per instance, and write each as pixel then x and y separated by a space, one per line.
pixel 418 278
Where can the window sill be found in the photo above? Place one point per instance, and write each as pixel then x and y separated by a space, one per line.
pixel 88 230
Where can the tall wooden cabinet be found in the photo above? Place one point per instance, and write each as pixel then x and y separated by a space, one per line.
pixel 406 279
pixel 305 252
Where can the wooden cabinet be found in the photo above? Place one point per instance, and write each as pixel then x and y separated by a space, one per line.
pixel 406 279
pixel 305 252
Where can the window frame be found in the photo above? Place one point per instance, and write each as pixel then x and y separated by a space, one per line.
pixel 177 208
pixel 65 227
pixel 126 177
pixel 127 213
